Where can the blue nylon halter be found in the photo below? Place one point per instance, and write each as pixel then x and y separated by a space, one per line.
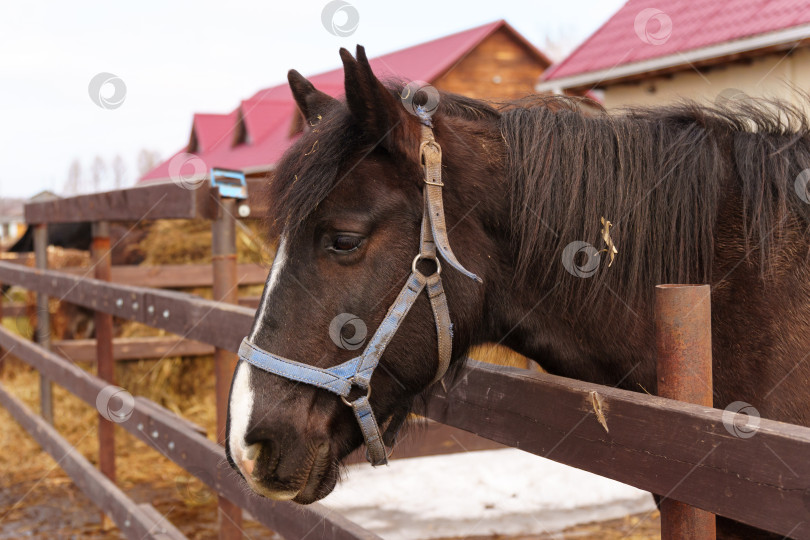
pixel 358 371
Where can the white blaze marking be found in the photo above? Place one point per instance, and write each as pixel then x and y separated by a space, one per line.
pixel 272 282
pixel 240 409
pixel 242 398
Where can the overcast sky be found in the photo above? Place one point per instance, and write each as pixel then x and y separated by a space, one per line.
pixel 181 57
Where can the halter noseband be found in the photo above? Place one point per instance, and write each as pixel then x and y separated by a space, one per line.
pixel 358 371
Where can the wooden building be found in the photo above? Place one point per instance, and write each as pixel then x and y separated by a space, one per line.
pixel 488 62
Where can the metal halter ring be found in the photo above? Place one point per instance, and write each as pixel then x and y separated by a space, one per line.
pixel 418 257
pixel 368 394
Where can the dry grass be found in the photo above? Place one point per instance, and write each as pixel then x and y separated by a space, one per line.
pixel 37 497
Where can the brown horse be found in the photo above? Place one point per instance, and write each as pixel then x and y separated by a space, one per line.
pixel 695 194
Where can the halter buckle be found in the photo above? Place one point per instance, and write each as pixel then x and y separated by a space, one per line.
pixel 368 392
pixel 435 157
pixel 434 145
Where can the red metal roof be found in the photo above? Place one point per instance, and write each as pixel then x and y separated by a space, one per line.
pixel 646 29
pixel 267 116
pixel 210 129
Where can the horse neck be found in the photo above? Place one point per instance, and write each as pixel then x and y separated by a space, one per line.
pixel 539 317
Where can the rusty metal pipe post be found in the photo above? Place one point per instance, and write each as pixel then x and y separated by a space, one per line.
pixel 102 270
pixel 43 320
pixel 683 340
pixel 225 289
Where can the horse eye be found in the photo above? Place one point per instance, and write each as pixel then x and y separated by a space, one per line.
pixel 344 243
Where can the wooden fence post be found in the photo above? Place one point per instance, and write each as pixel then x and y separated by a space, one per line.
pixel 102 269
pixel 225 289
pixel 43 320
pixel 683 339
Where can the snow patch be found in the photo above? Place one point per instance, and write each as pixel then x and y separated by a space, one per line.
pixel 479 493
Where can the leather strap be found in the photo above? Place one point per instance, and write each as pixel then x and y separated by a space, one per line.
pixel 389 326
pixel 444 328
pixel 334 379
pixel 431 154
pixel 375 449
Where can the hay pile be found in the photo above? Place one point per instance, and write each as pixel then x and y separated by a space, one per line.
pixel 189 242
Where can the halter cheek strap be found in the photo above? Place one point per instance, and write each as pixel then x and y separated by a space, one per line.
pixel 357 372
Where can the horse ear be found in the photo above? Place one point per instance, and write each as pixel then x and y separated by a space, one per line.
pixel 380 114
pixel 312 102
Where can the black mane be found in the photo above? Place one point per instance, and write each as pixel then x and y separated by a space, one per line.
pixel 657 174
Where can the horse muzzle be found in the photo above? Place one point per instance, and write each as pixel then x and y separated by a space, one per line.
pixel 304 475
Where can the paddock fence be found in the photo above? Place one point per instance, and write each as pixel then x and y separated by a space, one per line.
pixel 683 451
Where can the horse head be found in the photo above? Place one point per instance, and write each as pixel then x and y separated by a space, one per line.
pixel 348 201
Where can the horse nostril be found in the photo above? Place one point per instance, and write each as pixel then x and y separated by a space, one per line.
pixel 252 451
pixel 261 457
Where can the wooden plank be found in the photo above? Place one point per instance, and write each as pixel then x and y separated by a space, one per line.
pixel 134 348
pixel 14 310
pixel 176 275
pixel 161 524
pixel 179 421
pixel 220 324
pixel 20 258
pixel 250 301
pixel 257 202
pixel 667 447
pixel 156 201
pixel 194 452
pixel 422 437
pixel 131 519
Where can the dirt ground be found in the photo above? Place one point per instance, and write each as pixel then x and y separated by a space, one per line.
pixel 636 527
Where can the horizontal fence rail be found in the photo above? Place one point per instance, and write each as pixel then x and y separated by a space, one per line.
pixel 671 448
pixel 135 521
pixel 134 348
pixel 675 449
pixel 176 275
pixel 175 439
pixel 192 317
pixel 16 310
pixel 155 201
pixel 171 276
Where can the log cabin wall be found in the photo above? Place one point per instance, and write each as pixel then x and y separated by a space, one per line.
pixel 500 67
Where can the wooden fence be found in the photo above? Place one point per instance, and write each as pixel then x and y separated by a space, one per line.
pixel 679 450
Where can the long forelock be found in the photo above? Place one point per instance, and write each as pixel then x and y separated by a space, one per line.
pixel 308 171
